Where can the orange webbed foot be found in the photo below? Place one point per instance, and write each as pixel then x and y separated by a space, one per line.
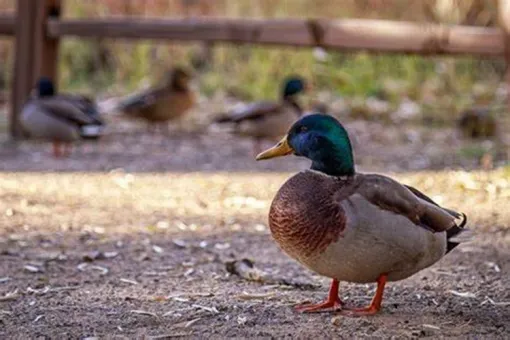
pixel 375 305
pixel 332 303
pixel 349 311
pixel 321 307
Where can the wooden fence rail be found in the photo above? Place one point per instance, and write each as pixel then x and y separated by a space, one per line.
pixel 38 29
pixel 349 34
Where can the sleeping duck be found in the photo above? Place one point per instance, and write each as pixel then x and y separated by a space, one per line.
pixel 165 103
pixel 350 226
pixel 266 119
pixel 61 118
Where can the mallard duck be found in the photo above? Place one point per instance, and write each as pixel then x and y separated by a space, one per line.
pixel 160 105
pixel 62 118
pixel 267 119
pixel 350 226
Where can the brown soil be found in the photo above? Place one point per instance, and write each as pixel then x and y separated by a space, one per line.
pixel 128 238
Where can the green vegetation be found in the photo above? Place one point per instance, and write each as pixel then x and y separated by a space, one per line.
pixel 439 84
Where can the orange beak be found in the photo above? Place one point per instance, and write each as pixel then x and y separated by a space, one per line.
pixel 282 148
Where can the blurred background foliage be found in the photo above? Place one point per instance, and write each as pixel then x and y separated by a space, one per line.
pixel 442 86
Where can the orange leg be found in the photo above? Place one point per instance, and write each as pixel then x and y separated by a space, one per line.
pixel 68 148
pixel 333 302
pixel 57 152
pixel 375 305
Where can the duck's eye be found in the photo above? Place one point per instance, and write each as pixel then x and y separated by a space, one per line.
pixel 302 128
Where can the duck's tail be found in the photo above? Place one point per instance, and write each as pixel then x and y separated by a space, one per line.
pixel 132 103
pixel 91 131
pixel 458 234
pixel 126 104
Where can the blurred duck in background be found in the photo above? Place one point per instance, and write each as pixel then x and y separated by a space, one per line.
pixel 477 122
pixel 158 106
pixel 267 119
pixel 61 118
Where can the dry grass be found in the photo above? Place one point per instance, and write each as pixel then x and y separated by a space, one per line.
pixel 208 200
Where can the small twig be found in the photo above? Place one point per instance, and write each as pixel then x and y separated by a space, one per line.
pixel 252 296
pixel 246 269
pixel 38 317
pixel 48 289
pixel 162 273
pixel 38 291
pixel 206 294
pixel 492 302
pixel 463 294
pixel 186 324
pixel 82 266
pixel 179 299
pixel 58 289
pixel 426 325
pixel 169 336
pixel 442 272
pixel 182 297
pixel 191 322
pixel 133 282
pixel 143 312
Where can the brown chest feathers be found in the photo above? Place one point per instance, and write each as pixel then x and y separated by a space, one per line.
pixel 305 216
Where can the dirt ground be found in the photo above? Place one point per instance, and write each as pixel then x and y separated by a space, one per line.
pixel 130 237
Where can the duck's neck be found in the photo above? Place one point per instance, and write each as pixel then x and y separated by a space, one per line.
pixel 177 86
pixel 334 166
pixel 333 157
pixel 292 101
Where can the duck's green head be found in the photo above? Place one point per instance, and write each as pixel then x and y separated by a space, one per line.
pixel 320 138
pixel 293 85
pixel 45 87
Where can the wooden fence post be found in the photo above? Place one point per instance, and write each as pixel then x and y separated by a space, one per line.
pixel 35 53
pixel 504 22
pixel 46 48
pixel 23 66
